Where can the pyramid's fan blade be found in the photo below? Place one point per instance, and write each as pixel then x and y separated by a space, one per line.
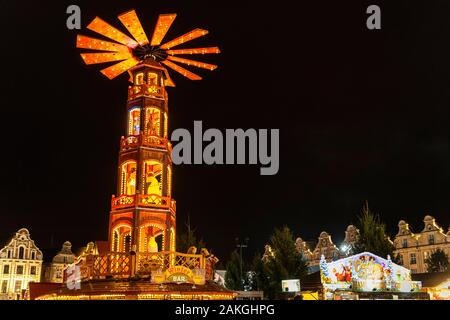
pixel 162 26
pixel 185 38
pixel 208 50
pixel 131 21
pixel 197 64
pixel 168 82
pixel 184 72
pixel 114 70
pixel 100 26
pixel 97 44
pixel 94 58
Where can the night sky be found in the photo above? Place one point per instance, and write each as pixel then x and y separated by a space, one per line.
pixel 362 115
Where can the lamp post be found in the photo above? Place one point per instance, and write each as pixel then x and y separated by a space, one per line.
pixel 241 244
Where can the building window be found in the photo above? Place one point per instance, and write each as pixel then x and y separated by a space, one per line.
pixel 9 254
pixel 431 239
pixel 33 270
pixel 33 255
pixel 18 286
pixel 405 243
pixel 21 252
pixel 412 258
pixel 400 259
pixel 19 270
pixel 4 286
pixel 6 269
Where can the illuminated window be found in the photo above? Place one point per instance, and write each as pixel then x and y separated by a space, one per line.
pixel 134 121
pixel 21 252
pixel 128 184
pixel 152 79
pixel 19 270
pixel 18 286
pixel 33 270
pixel 4 286
pixel 405 243
pixel 412 258
pixel 152 173
pixel 6 269
pixel 139 79
pixel 152 122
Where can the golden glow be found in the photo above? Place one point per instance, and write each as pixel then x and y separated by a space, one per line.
pixel 134 122
pixel 139 79
pixel 162 26
pixel 194 34
pixel 193 63
pixel 128 177
pixel 105 29
pixel 152 122
pixel 119 68
pixel 152 178
pixel 208 50
pixel 184 72
pixel 131 21
pixel 168 82
pixel 94 58
pixel 84 42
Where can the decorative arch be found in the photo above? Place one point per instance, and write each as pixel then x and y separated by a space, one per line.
pixel 149 230
pixel 121 238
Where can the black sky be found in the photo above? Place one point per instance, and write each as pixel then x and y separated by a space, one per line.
pixel 362 115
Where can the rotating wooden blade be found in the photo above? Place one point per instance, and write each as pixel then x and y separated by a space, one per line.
pixel 119 68
pixel 209 50
pixel 105 29
pixel 94 58
pixel 162 26
pixel 97 44
pixel 131 21
pixel 197 64
pixel 185 38
pixel 184 72
pixel 168 82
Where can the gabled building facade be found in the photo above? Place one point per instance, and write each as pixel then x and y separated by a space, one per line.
pixel 414 248
pixel 20 263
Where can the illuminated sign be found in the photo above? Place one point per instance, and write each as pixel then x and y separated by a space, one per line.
pixel 292 285
pixel 179 274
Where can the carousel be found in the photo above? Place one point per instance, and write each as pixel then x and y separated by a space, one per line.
pixel 367 276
